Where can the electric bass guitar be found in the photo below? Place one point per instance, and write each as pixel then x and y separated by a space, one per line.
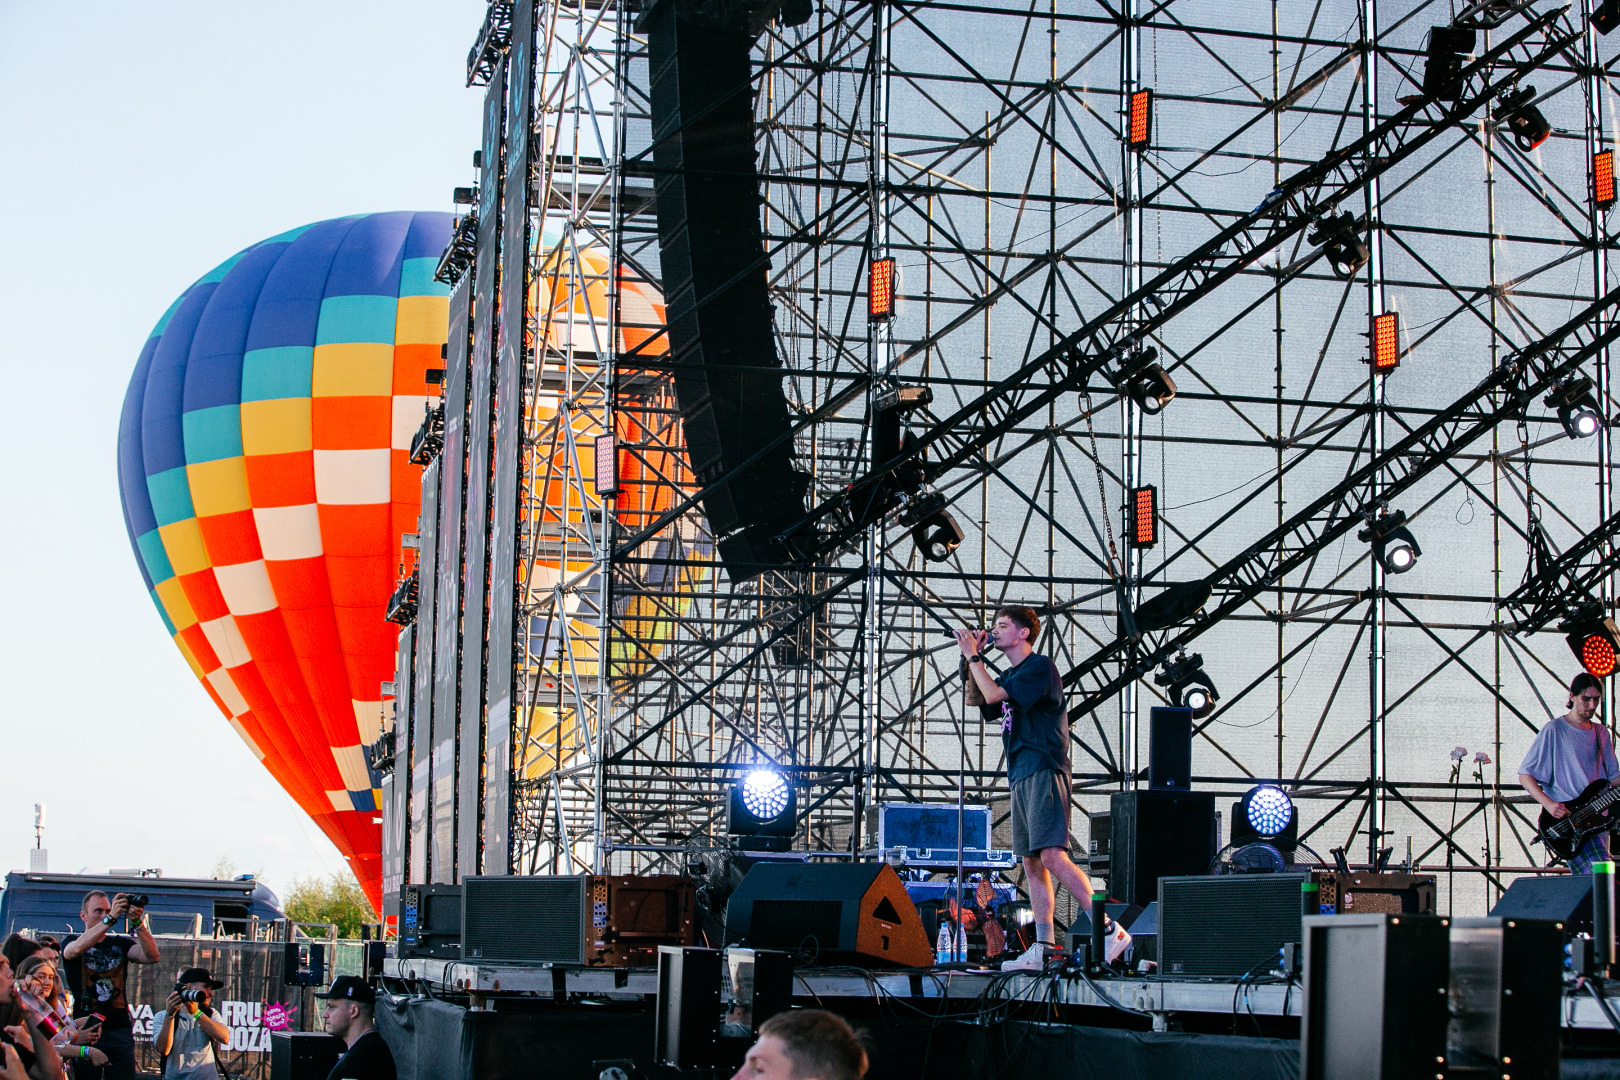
pixel 1588 815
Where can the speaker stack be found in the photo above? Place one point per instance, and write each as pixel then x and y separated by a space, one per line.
pixel 728 378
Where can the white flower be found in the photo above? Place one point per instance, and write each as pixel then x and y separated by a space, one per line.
pixel 1459 753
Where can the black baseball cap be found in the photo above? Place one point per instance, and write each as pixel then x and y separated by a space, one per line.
pixel 351 988
pixel 191 975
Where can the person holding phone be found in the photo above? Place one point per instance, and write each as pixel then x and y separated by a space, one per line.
pixel 97 963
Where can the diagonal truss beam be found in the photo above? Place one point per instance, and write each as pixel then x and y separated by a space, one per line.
pixel 1557 587
pixel 1500 396
pixel 1103 345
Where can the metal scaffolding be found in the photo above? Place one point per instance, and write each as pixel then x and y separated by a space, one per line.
pixel 985 147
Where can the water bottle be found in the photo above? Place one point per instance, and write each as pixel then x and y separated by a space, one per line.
pixel 943 945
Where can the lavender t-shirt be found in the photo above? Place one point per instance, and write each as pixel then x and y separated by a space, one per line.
pixel 1564 759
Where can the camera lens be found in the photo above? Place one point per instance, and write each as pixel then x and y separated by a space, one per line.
pixel 138 900
pixel 193 995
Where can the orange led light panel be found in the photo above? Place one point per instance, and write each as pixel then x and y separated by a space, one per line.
pixel 1597 655
pixel 1144 516
pixel 1141 126
pixel 1386 352
pixel 607 465
pixel 881 286
pixel 1603 178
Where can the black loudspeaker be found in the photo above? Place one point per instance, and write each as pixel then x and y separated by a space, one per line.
pixel 303 1055
pixel 1155 834
pixel 1566 898
pixel 728 378
pixel 540 919
pixel 1376 997
pixel 1169 748
pixel 857 913
pixel 688 1006
pixel 1507 980
pixel 1225 926
pixel 430 921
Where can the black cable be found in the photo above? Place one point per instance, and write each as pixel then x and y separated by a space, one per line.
pixel 1236 990
pixel 1095 989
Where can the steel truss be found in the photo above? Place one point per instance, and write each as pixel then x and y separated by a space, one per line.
pixel 980 145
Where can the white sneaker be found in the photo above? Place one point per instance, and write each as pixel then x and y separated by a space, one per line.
pixel 1116 939
pixel 1034 958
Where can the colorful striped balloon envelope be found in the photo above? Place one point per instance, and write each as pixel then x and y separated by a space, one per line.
pixel 262 460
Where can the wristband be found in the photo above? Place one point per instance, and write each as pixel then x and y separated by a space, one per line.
pixel 975 659
pixel 84 1051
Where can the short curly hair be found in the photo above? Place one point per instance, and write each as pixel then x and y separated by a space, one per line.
pixel 1023 616
pixel 819 1044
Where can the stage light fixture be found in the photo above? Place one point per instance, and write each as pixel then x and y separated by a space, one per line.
pixel 1341 244
pixel 1176 604
pixel 1577 408
pixel 1147 383
pixel 880 290
pixel 1442 69
pixel 1603 178
pixel 1593 639
pixel 762 810
pixel 1386 342
pixel 1140 129
pixel 1268 810
pixel 1393 544
pixel 607 465
pixel 937 536
pixel 1188 685
pixel 797 12
pixel 1606 16
pixel 1530 129
pixel 1144 510
pixel 464 196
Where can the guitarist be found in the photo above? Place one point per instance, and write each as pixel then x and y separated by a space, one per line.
pixel 1568 754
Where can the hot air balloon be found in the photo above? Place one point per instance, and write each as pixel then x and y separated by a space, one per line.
pixel 262 459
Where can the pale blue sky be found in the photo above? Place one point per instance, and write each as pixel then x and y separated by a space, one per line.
pixel 141 144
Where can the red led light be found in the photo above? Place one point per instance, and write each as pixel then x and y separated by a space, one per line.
pixel 1141 125
pixel 1598 656
pixel 607 465
pixel 881 289
pixel 1386 351
pixel 1144 506
pixel 1603 178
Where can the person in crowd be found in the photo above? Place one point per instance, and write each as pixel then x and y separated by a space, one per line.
pixel 350 1014
pixel 804 1044
pixel 26 1049
pixel 38 975
pixel 97 963
pixel 187 1033
pixel 16 949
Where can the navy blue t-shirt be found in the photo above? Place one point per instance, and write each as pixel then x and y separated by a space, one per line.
pixel 1034 718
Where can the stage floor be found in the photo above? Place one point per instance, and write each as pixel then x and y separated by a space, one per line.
pixel 1161 1001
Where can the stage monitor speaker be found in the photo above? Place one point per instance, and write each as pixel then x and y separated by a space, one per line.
pixel 854 913
pixel 1376 997
pixel 1169 748
pixel 430 921
pixel 1155 834
pixel 1506 989
pixel 722 345
pixel 1227 925
pixel 688 1007
pixel 1565 898
pixel 303 1055
pixel 612 920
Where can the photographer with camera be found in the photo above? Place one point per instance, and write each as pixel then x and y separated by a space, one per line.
pixel 97 962
pixel 186 1032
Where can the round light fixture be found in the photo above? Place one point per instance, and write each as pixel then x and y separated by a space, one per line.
pixel 765 793
pixel 1268 809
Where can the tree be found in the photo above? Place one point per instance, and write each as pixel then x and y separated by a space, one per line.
pixel 333 899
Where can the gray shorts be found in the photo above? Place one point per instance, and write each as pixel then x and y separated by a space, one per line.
pixel 1040 813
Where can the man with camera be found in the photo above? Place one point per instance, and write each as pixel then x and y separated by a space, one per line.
pixel 350 1014
pixel 186 1032
pixel 97 963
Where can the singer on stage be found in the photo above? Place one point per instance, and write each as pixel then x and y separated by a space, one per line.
pixel 1028 698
